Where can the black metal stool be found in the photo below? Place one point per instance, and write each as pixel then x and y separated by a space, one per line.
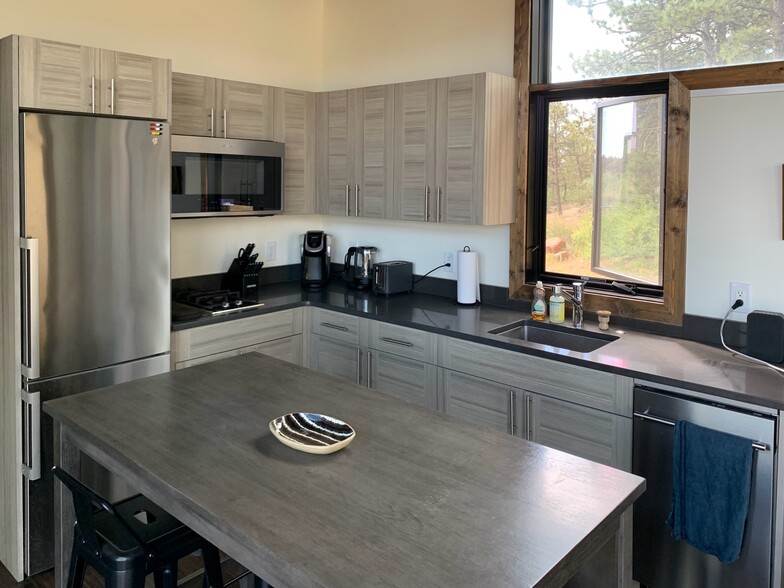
pixel 130 539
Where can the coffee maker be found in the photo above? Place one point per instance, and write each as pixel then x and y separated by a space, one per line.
pixel 315 253
pixel 358 267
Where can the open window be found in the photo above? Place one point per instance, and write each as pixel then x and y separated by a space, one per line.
pixel 598 189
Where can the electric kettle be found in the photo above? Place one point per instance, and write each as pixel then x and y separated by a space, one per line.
pixel 358 267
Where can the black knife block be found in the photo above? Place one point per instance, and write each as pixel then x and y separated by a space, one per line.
pixel 243 278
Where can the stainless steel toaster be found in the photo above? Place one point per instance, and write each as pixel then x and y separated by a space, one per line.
pixel 393 277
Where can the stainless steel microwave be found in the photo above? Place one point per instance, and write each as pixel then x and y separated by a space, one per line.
pixel 225 177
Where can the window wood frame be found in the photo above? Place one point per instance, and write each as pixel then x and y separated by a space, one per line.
pixel 670 308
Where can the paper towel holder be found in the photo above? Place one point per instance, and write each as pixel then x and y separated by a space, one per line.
pixel 474 278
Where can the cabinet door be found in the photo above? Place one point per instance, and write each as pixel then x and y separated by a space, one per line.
pixel 57 76
pixel 404 378
pixel 373 170
pixel 288 349
pixel 335 157
pixel 134 85
pixel 586 432
pixel 193 105
pixel 460 149
pixel 481 401
pixel 337 358
pixel 415 159
pixel 245 110
pixel 294 124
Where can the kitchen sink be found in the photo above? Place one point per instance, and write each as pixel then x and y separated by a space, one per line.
pixel 554 335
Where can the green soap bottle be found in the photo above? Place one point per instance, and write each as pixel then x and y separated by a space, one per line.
pixel 557 304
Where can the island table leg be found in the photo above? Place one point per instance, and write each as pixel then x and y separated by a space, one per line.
pixel 66 456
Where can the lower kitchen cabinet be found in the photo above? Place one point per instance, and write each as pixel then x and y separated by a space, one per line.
pixel 600 436
pixel 404 378
pixel 288 349
pixel 357 350
pixel 278 334
pixel 480 401
pixel 337 358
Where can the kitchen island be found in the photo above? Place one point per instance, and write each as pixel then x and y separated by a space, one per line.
pixel 417 499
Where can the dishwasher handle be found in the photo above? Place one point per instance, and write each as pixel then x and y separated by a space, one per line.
pixel 758 445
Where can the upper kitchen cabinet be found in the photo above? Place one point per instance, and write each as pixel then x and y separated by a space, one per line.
pixel 454 150
pixel 62 76
pixel 210 107
pixel 294 125
pixel 415 150
pixel 354 150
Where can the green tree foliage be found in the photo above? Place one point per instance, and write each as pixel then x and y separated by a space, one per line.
pixel 571 153
pixel 666 35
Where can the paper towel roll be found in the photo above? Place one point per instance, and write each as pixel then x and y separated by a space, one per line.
pixel 467 276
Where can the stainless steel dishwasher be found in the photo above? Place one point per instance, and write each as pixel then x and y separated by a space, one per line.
pixel 659 560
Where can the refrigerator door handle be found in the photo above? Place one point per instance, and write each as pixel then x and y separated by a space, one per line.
pixel 31 465
pixel 31 327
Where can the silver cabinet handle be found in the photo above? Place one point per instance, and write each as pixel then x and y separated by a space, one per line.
pixel 225 123
pixel 31 460
pixel 31 332
pixel 397 342
pixel 348 200
pixel 333 326
pixel 529 409
pixel 511 412
pixel 370 369
pixel 438 204
pixel 356 200
pixel 212 122
pixel 92 93
pixel 758 445
pixel 427 203
pixel 111 96
pixel 359 366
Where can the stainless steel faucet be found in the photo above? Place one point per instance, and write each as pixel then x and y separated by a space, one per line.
pixel 577 303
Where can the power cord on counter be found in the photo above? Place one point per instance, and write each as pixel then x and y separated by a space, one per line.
pixel 431 271
pixel 737 304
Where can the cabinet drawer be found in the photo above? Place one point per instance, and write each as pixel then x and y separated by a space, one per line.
pixel 231 335
pixel 572 383
pixel 288 349
pixel 343 327
pixel 411 343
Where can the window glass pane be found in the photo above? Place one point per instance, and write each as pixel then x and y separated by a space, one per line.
pixel 605 38
pixel 628 193
pixel 603 215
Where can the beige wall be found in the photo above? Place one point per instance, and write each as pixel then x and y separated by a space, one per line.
pixel 370 42
pixel 275 42
pixel 307 44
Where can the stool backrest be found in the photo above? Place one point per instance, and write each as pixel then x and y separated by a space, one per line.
pixel 86 504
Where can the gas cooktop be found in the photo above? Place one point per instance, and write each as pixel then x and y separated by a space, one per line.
pixel 216 302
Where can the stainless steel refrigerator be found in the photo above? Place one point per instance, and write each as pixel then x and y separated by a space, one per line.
pixel 95 280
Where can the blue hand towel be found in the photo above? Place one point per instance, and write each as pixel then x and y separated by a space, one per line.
pixel 711 488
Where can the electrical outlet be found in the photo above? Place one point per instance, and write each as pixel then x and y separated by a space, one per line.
pixel 449 257
pixel 271 251
pixel 739 290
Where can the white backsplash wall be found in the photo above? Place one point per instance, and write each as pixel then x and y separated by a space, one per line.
pixel 207 246
pixel 425 244
pixel 734 231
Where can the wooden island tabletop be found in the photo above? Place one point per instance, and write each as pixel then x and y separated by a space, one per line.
pixel 417 499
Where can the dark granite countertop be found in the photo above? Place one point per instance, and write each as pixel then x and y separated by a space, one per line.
pixel 656 359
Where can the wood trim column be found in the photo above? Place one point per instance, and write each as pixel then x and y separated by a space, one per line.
pixel 521 71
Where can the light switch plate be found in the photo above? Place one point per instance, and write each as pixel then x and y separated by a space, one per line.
pixel 271 251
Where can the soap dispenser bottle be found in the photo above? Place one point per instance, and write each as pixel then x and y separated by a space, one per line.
pixel 538 305
pixel 557 304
